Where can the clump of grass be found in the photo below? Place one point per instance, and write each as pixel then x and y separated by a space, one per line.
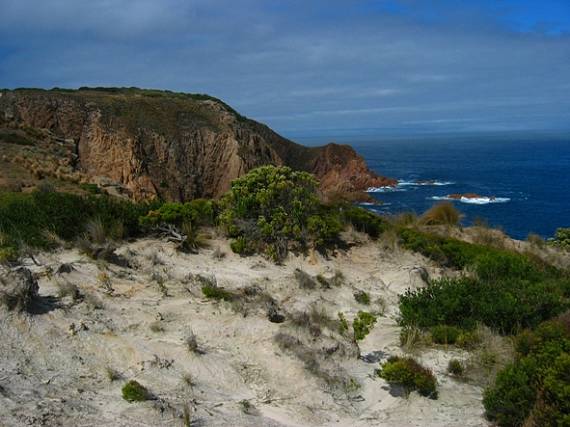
pixel 133 391
pixel 441 214
pixel 68 289
pixel 218 254
pixel 363 324
pixel 444 334
pixel 343 324
pixel 411 338
pixel 112 374
pixel 156 327
pixel 408 373
pixel 304 279
pixel 246 406
pixel 105 283
pixel 536 241
pixel 216 293
pixel 456 368
pixel 191 342
pixel 362 297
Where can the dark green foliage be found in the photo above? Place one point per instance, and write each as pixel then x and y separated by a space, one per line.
pixel 455 367
pixel 509 290
pixel 535 388
pixel 197 212
pixel 26 217
pixel 562 238
pixel 363 324
pixel 214 292
pixel 443 334
pixel 364 221
pixel 135 392
pixel 91 188
pixel 408 373
pixel 362 297
pixel 505 306
pixel 14 138
pixel 343 324
pixel 272 208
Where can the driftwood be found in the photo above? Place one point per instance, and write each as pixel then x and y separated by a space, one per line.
pixel 171 233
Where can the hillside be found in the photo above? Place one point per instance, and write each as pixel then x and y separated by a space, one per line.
pixel 147 143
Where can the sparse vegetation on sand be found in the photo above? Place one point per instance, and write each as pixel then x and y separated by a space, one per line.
pixel 408 373
pixel 133 391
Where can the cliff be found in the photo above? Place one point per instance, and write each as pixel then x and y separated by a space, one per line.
pixel 159 143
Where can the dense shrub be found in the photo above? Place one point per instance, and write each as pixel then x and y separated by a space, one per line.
pixel 133 391
pixel 214 292
pixel 26 217
pixel 562 238
pixel 408 373
pixel 362 297
pixel 196 212
pixel 535 388
pixel 364 221
pixel 363 324
pixel 274 208
pixel 443 334
pixel 505 306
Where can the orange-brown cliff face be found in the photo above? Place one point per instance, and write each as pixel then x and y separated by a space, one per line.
pixel 176 146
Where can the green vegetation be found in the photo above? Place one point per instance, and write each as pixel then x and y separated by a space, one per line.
pixel 362 297
pixel 456 368
pixel 408 373
pixel 29 218
pixel 14 138
pixel 508 290
pixel 214 292
pixel 443 334
pixel 273 208
pixel 363 324
pixel 562 238
pixel 135 392
pixel 364 221
pixel 534 389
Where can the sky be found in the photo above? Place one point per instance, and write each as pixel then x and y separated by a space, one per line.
pixel 302 66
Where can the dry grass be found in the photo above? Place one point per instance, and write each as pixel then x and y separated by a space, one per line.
pixel 443 213
pixel 305 280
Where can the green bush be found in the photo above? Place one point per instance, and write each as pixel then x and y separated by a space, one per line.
pixel 443 334
pixel 26 217
pixel 272 208
pixel 536 386
pixel 364 221
pixel 135 392
pixel 562 238
pixel 505 306
pixel 197 212
pixel 214 292
pixel 455 367
pixel 408 373
pixel 363 324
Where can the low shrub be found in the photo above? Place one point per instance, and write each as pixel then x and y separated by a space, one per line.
pixel 456 368
pixel 534 389
pixel 562 238
pixel 444 334
pixel 362 297
pixel 135 392
pixel 363 324
pixel 364 221
pixel 408 373
pixel 214 292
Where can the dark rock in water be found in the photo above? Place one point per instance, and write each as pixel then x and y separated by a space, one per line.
pixel 18 289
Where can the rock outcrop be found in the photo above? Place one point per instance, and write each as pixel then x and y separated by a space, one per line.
pixel 171 145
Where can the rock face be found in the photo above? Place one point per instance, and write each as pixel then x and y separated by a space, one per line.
pixel 175 146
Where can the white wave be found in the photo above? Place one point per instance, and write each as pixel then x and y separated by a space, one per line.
pixel 475 200
pixel 386 189
pixel 422 183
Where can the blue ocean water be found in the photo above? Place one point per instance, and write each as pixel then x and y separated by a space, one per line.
pixel 530 176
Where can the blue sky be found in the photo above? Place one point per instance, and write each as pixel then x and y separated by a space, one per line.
pixel 400 66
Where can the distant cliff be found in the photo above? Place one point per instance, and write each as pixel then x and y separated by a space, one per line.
pixel 172 145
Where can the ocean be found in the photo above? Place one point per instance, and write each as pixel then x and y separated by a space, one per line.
pixel 528 176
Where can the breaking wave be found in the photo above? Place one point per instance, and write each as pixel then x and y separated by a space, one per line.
pixel 474 200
